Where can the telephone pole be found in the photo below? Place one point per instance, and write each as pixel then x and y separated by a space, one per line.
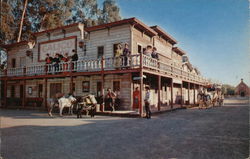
pixel 21 24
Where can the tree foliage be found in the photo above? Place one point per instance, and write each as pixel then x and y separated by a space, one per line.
pixel 47 14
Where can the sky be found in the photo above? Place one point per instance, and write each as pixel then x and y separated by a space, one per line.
pixel 214 33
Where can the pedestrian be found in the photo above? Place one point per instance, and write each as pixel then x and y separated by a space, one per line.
pixel 136 98
pixel 126 54
pixel 147 102
pixel 110 97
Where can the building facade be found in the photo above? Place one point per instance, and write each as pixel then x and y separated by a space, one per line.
pixel 28 81
pixel 242 89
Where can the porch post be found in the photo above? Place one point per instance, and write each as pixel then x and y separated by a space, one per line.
pixel 189 93
pixel 181 95
pixel 141 87
pixel 194 95
pixel 102 76
pixel 5 92
pixel 159 93
pixel 71 84
pixel 24 93
pixel 45 92
pixel 172 95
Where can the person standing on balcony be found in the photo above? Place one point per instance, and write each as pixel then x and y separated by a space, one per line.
pixel 56 61
pixel 48 59
pixel 65 59
pixel 118 53
pixel 136 98
pixel 126 54
pixel 155 54
pixel 147 103
pixel 74 58
pixel 148 51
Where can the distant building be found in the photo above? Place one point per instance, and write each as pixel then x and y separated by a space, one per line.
pixel 242 89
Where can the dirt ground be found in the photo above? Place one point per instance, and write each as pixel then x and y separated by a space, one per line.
pixel 216 133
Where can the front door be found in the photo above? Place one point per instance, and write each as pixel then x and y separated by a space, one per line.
pixel 55 88
pixel 99 89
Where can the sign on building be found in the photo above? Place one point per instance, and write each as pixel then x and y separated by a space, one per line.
pixel 61 46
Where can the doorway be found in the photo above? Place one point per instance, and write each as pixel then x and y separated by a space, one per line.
pixel 55 88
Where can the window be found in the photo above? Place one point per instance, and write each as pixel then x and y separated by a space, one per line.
pixel 85 86
pixel 12 91
pixel 139 48
pixel 100 51
pixel 116 86
pixel 13 63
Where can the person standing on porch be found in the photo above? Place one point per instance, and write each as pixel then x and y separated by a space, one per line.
pixel 118 53
pixel 148 51
pixel 147 103
pixel 136 98
pixel 155 54
pixel 110 96
pixel 126 54
pixel 74 58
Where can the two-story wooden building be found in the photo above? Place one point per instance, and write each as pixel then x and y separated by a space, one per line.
pixel 28 79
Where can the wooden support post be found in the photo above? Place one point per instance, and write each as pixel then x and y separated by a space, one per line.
pixel 194 95
pixel 159 93
pixel 181 95
pixel 188 93
pixel 71 84
pixel 172 95
pixel 45 92
pixel 5 92
pixel 141 87
pixel 103 80
pixel 24 93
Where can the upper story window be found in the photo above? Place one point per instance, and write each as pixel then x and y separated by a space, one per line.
pixel 100 51
pixel 13 63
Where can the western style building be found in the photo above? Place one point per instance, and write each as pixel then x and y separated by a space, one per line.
pixel 28 81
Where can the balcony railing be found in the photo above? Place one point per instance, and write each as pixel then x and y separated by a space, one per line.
pixel 111 63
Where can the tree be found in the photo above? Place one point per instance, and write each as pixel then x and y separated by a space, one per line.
pixel 47 14
pixel 110 12
pixel 6 22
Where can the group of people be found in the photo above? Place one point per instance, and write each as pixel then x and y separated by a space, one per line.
pixel 122 54
pixel 122 51
pixel 58 58
pixel 151 52
pixel 147 99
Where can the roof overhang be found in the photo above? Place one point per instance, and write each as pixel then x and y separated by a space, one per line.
pixel 132 21
pixel 164 34
pixel 179 51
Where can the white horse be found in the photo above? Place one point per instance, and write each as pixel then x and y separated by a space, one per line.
pixel 66 102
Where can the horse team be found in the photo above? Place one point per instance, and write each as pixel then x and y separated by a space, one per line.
pixel 210 99
pixel 86 103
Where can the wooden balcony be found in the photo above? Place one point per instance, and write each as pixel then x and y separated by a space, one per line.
pixel 107 64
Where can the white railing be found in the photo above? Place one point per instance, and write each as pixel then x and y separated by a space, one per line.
pixel 35 70
pixel 111 63
pixel 15 71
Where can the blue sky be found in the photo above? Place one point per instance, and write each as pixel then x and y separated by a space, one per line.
pixel 214 33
